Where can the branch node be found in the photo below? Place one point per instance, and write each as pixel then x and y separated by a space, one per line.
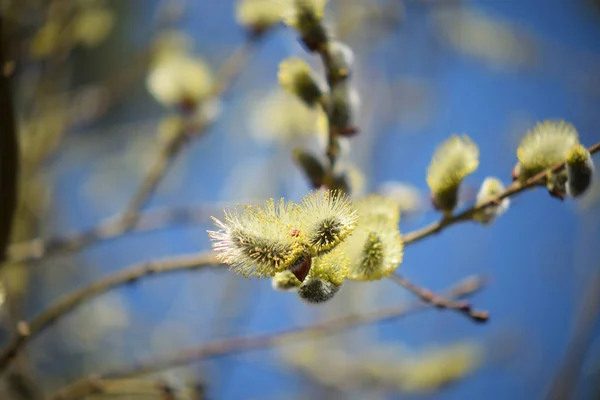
pixel 23 329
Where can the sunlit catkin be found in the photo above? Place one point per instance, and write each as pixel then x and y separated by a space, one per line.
pixel 544 146
pixel 326 218
pixel 375 250
pixel 259 241
pixel 452 161
pixel 278 236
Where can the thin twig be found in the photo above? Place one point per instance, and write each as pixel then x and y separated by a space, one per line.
pixel 28 330
pixel 95 385
pixel 153 220
pixel 463 307
pixel 514 189
pixel 332 148
pixel 230 70
pixel 563 385
pixel 224 347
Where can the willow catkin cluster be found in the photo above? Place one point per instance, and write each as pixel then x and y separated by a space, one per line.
pixel 283 236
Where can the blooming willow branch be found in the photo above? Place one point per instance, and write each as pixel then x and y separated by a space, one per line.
pixel 337 98
pixel 467 215
pixel 28 330
pixel 223 347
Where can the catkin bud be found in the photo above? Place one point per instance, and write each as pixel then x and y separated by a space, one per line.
pixel 180 80
pixel 453 160
pixel 340 59
pixel 344 109
pixel 490 188
pixel 317 290
pixel 297 78
pixel 580 170
pixel 258 16
pixel 92 25
pixel 311 166
pixel 306 16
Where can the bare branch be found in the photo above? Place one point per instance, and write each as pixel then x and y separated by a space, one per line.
pixel 28 330
pixel 463 307
pixel 95 385
pixel 224 347
pixel 153 220
pixel 513 190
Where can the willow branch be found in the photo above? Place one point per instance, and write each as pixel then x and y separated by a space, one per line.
pixel 9 159
pixel 230 70
pixel 224 347
pixel 95 385
pixel 514 189
pixel 28 330
pixel 426 295
pixel 153 220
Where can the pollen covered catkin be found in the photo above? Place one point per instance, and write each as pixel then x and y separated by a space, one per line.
pixel 265 240
pixel 544 146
